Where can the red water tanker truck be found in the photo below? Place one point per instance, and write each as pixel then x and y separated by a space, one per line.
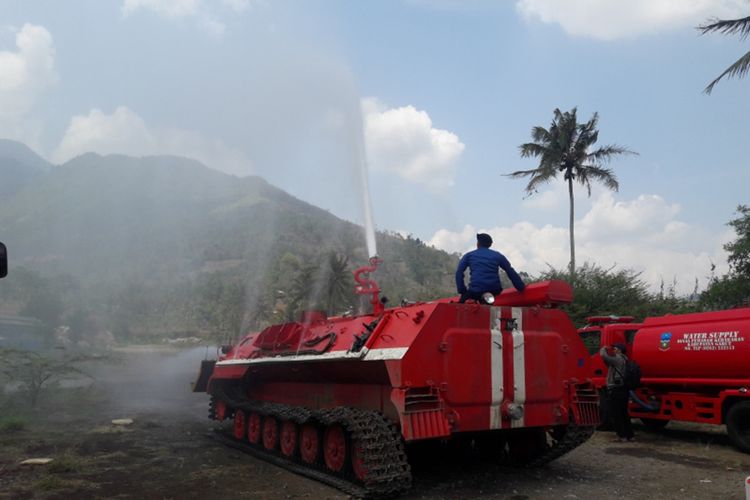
pixel 338 398
pixel 695 367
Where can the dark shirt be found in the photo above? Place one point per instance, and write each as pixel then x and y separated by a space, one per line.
pixel 485 264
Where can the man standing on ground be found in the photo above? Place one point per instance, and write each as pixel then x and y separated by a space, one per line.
pixel 484 265
pixel 617 393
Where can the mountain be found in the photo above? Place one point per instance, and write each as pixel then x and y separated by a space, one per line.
pixel 19 166
pixel 169 244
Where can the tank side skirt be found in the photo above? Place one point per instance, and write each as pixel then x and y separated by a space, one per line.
pixel 365 354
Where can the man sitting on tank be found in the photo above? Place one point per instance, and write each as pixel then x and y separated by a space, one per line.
pixel 617 393
pixel 484 265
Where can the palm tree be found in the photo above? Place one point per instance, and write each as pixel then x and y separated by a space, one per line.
pixel 338 283
pixel 301 294
pixel 567 147
pixel 730 27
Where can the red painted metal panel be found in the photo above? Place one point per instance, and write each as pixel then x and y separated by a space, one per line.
pixel 425 425
pixel 545 366
pixel 466 363
pixel 683 406
pixel 228 372
pixel 553 292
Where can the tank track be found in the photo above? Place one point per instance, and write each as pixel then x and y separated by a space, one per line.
pixel 573 437
pixel 212 408
pixel 381 445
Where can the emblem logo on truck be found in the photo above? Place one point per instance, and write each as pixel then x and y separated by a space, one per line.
pixel 666 338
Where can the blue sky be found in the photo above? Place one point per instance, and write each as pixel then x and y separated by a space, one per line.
pixel 441 93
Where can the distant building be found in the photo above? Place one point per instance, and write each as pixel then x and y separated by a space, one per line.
pixel 21 332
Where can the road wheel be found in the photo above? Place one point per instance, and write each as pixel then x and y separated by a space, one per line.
pixel 334 448
pixel 358 465
pixel 239 425
pixel 309 443
pixel 738 425
pixel 288 438
pixel 254 428
pixel 270 433
pixel 654 424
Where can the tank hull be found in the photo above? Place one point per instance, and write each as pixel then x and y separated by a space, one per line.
pixel 436 370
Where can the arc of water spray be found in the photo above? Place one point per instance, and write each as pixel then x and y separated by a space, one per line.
pixel 372 250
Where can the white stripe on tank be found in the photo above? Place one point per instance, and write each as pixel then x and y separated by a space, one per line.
pixel 519 365
pixel 496 368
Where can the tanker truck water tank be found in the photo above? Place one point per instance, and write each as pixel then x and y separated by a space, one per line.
pixel 711 345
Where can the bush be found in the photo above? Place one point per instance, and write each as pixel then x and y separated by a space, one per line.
pixel 10 425
pixel 65 464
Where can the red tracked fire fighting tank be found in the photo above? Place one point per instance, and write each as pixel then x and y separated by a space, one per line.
pixel 337 398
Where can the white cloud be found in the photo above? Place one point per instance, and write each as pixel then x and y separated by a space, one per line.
pixel 26 73
pixel 556 198
pixel 608 218
pixel 403 141
pixel 452 242
pixel 203 11
pixel 168 8
pixel 237 5
pixel 613 19
pixel 453 5
pixel 124 132
pixel 643 234
pixel 546 200
pixel 212 26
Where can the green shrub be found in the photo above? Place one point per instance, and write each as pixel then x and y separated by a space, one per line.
pixel 65 464
pixel 10 425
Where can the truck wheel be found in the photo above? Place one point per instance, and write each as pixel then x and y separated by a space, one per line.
pixel 654 424
pixel 738 425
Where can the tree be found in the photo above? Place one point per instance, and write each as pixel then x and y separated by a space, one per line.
pixel 600 291
pixel 621 292
pixel 34 371
pixel 739 27
pixel 219 305
pixel 732 289
pixel 338 283
pixel 725 292
pixel 301 295
pixel 567 147
pixel 739 250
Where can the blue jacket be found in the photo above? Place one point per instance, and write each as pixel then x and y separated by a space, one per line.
pixel 485 265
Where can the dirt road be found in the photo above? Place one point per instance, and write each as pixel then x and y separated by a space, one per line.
pixel 166 454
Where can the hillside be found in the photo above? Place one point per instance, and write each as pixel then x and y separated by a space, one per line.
pixel 165 244
pixel 19 166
